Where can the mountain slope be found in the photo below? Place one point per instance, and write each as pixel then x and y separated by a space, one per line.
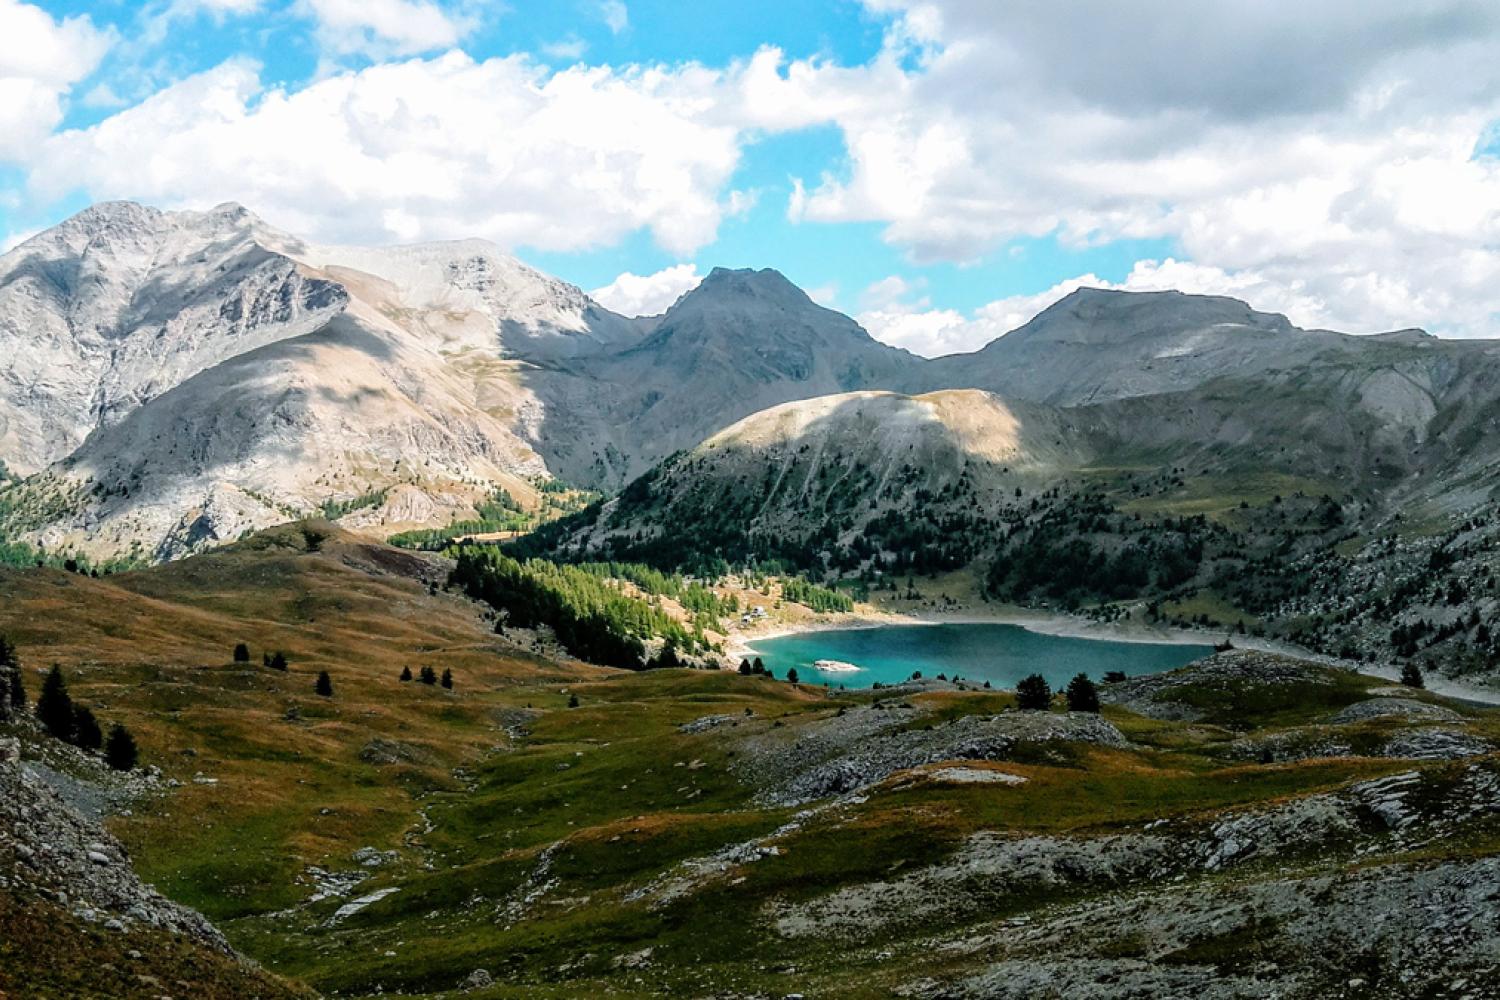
pixel 738 343
pixel 177 379
pixel 121 302
pixel 807 480
pixel 201 375
pixel 1096 345
pixel 171 380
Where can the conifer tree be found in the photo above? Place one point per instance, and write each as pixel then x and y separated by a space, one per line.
pixel 429 676
pixel 86 732
pixel 406 673
pixel 241 653
pixel 448 679
pixel 278 661
pixel 1033 693
pixel 54 707
pixel 120 750
pixel 324 684
pixel 572 701
pixel 791 675
pixel 758 667
pixel 1083 696
pixel 745 666
pixel 1411 675
pixel 13 691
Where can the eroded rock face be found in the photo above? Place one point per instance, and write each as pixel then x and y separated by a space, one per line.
pixel 47 848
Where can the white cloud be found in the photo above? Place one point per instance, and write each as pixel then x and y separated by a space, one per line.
pixel 616 15
pixel 381 28
pixel 40 61
pixel 218 7
pixel 1321 152
pixel 824 295
pixel 425 149
pixel 566 49
pixel 648 294
pixel 10 241
pixel 102 95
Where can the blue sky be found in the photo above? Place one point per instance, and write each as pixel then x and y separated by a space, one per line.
pixel 941 169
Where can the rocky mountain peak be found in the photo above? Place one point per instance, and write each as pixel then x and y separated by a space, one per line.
pixel 1102 315
pixel 747 285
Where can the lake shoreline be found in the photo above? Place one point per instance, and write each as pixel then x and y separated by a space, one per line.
pixel 741 645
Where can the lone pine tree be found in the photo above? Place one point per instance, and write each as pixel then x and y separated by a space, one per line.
pixel 86 732
pixel 120 750
pixel 54 708
pixel 1083 696
pixel 1033 694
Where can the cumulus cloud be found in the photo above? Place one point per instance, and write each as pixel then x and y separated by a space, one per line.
pixel 41 58
pixel 425 149
pixel 386 27
pixel 648 294
pixel 1320 153
pixel 1316 158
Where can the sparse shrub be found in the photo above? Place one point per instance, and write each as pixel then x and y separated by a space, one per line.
pixel 241 653
pixel 120 751
pixel 1034 694
pixel 324 684
pixel 1083 696
pixel 1114 676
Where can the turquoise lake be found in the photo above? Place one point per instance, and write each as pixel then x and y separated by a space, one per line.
pixel 1000 654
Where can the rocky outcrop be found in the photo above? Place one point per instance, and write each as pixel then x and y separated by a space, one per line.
pixel 47 848
pixel 1171 695
pixel 1399 931
pixel 995 872
pixel 1400 708
pixel 863 746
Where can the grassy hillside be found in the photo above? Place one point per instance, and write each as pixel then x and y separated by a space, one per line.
pixel 574 831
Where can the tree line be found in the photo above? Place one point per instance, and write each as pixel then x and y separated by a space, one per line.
pixel 60 715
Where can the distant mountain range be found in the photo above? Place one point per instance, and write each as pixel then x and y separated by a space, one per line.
pixel 170 380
